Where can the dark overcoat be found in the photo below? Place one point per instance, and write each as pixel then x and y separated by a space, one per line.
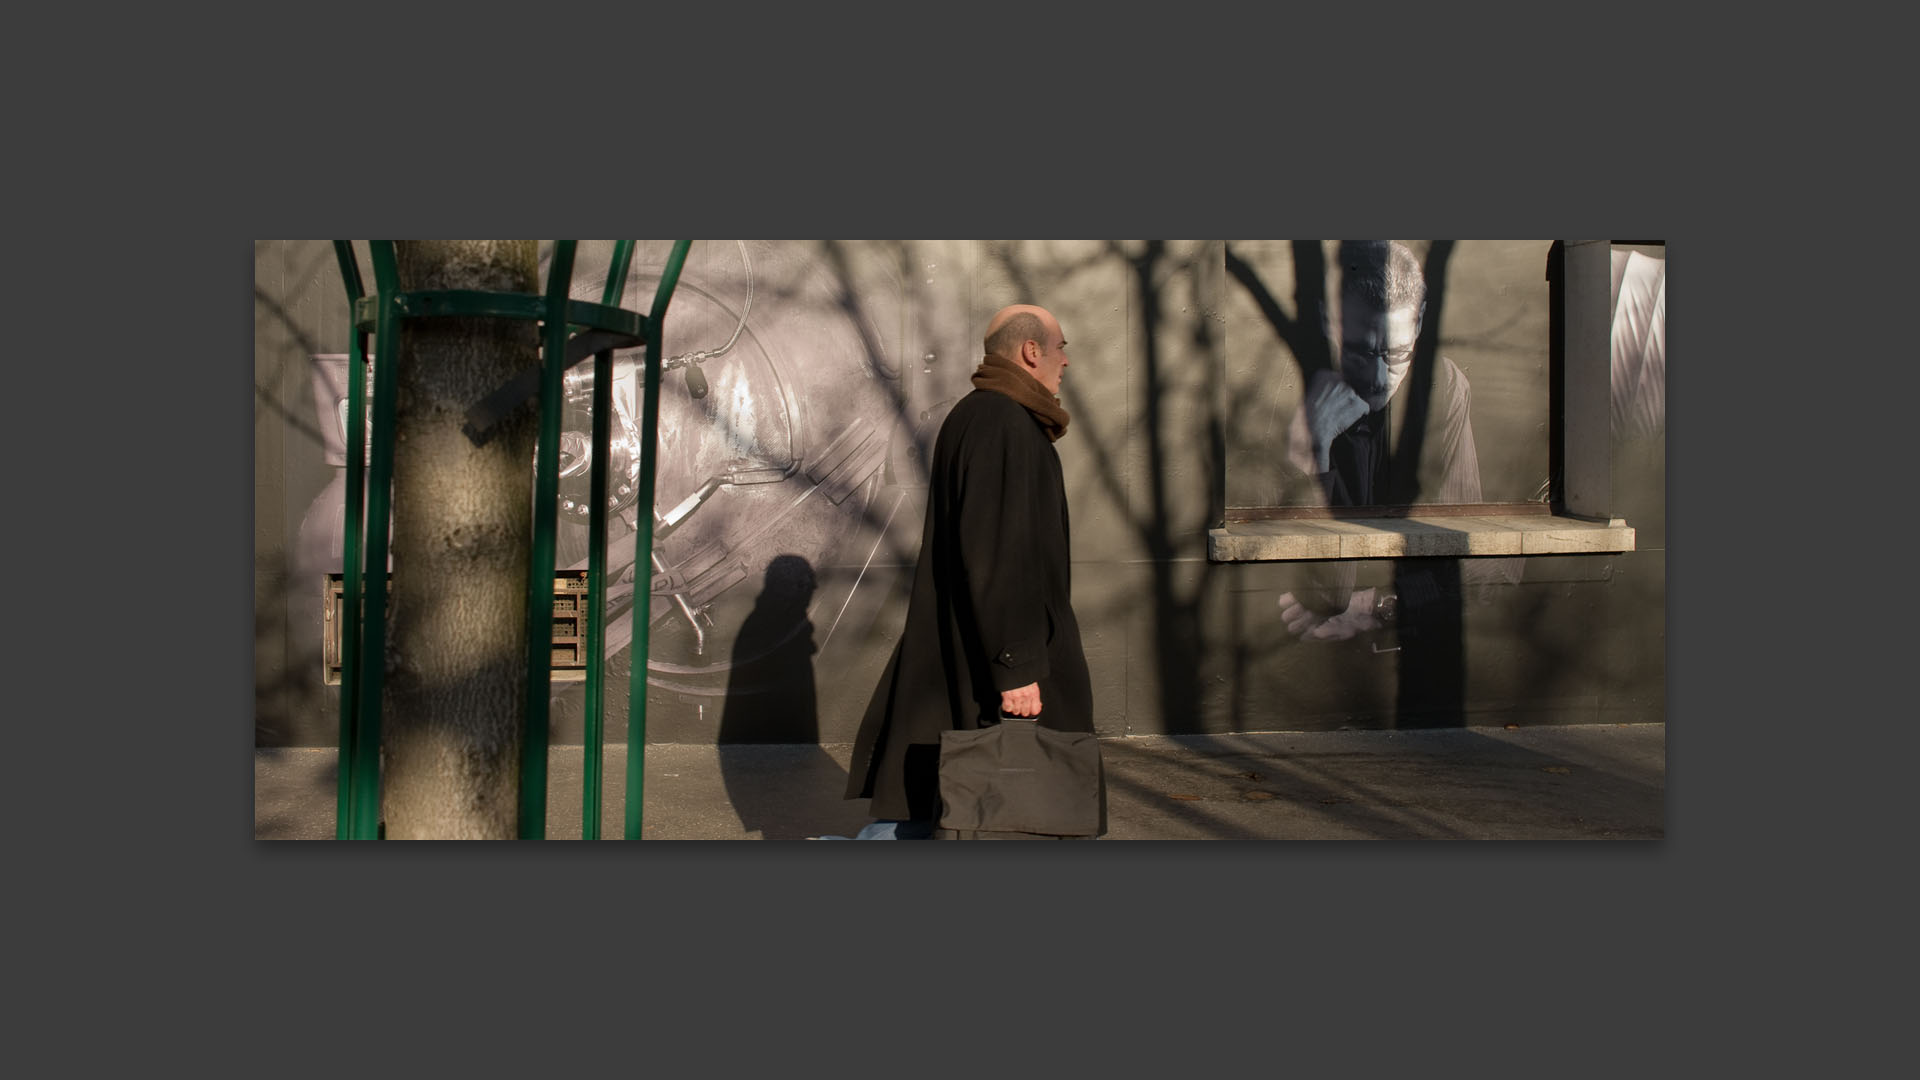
pixel 991 607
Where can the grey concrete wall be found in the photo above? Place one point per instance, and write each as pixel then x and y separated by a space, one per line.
pixel 843 357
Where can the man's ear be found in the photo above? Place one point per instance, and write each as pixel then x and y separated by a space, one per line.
pixel 1030 353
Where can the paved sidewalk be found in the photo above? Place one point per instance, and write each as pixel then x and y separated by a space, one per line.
pixel 1600 781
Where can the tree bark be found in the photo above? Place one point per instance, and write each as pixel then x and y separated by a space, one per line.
pixel 456 659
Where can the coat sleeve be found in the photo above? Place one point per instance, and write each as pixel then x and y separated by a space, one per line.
pixel 1459 477
pixel 997 515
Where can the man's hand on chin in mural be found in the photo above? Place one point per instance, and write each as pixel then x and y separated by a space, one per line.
pixel 1331 407
pixel 1359 618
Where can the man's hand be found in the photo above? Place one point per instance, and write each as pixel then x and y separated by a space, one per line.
pixel 1308 626
pixel 1299 619
pixel 1329 408
pixel 1022 702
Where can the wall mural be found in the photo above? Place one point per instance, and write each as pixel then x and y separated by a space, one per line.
pixel 1382 416
pixel 803 380
pixel 1409 374
pixel 1356 422
pixel 786 447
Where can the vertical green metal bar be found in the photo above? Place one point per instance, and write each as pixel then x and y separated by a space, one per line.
pixel 590 797
pixel 373 638
pixel 643 543
pixel 617 273
pixel 546 484
pixel 596 601
pixel 356 492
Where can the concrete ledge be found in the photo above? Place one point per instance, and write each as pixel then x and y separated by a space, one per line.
pixel 1414 537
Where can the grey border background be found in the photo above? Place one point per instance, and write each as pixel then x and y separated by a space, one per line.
pixel 1408 948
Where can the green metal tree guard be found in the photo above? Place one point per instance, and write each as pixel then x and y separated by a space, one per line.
pixel 572 330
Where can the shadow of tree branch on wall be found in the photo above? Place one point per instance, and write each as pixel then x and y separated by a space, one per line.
pixel 1149 450
pixel 1429 649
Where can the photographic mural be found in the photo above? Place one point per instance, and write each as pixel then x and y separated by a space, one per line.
pixel 787 441
pixel 803 382
pixel 1413 378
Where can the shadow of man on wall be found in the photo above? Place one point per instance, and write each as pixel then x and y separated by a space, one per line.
pixel 779 780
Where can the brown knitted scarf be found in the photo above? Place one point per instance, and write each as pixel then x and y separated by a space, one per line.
pixel 1003 376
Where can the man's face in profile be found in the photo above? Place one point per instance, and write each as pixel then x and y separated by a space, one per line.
pixel 1053 360
pixel 1376 348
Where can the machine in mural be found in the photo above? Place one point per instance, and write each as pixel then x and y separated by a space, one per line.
pixel 786 439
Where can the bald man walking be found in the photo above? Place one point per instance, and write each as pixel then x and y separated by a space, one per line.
pixel 990 625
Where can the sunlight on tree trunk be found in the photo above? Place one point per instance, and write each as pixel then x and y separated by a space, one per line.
pixel 462 534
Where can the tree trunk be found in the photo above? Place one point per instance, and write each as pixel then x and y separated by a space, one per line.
pixel 462 535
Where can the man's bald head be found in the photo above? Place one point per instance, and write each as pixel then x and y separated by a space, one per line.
pixel 1029 336
pixel 1016 325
